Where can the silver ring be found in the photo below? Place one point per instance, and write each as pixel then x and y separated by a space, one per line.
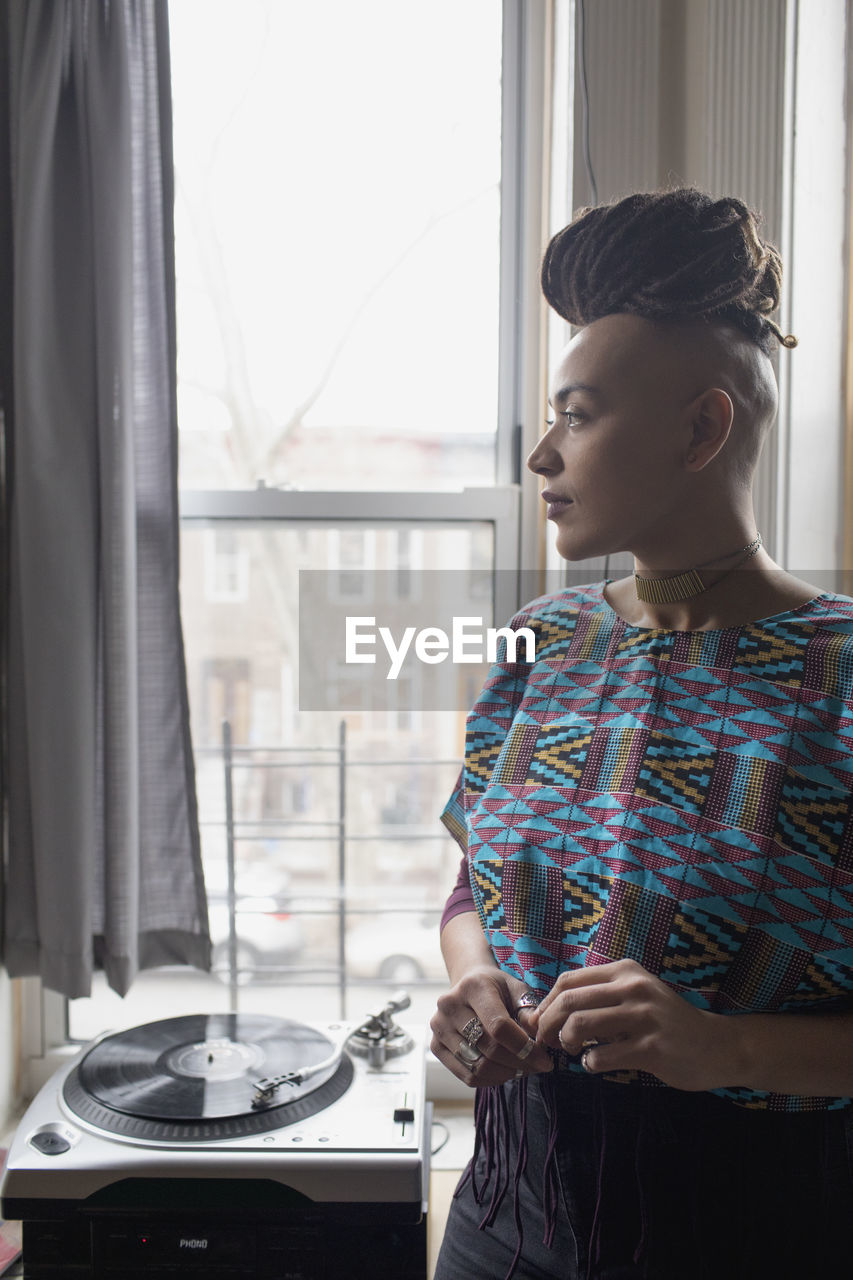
pixel 519 1073
pixel 467 1053
pixel 526 1050
pixel 585 1061
pixel 589 1044
pixel 560 1038
pixel 529 1000
pixel 472 1030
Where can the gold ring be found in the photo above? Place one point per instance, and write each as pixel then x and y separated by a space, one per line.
pixel 585 1061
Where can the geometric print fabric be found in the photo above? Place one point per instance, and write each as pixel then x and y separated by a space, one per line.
pixel 682 799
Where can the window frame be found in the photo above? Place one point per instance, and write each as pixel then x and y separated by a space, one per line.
pixel 510 505
pixel 499 506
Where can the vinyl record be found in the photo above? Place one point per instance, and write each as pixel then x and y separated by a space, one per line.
pixel 203 1066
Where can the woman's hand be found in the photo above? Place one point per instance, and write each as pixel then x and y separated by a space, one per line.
pixel 504 1047
pixel 635 1021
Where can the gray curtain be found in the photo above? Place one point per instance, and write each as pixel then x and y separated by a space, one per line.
pixel 102 864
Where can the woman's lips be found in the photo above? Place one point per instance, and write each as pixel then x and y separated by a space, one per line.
pixel 557 504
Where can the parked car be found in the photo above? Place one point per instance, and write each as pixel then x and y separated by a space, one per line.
pixel 399 947
pixel 268 934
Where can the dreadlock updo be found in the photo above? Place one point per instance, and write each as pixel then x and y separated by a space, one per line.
pixel 667 255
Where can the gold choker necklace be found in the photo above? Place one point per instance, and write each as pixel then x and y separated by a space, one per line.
pixel 683 586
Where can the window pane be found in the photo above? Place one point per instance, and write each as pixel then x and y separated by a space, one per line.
pixel 339 852
pixel 337 228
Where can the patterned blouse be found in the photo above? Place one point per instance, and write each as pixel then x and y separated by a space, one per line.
pixel 679 798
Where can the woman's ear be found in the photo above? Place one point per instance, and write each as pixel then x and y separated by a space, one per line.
pixel 711 417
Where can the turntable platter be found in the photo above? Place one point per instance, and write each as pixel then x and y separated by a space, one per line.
pixel 193 1078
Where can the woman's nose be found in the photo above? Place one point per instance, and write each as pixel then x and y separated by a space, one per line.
pixel 544 459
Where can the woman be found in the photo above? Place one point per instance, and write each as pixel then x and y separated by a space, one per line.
pixel 650 943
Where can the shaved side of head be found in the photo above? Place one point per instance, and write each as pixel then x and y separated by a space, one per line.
pixel 719 355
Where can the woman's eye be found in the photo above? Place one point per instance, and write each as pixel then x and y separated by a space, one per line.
pixel 572 416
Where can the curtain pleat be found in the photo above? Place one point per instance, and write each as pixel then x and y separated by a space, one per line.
pixel 103 868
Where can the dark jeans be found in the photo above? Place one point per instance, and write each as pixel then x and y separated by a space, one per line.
pixel 664 1184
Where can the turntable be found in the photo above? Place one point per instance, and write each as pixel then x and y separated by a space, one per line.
pixel 228 1146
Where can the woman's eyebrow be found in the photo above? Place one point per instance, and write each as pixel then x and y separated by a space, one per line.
pixel 570 389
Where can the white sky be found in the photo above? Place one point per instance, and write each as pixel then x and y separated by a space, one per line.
pixel 317 142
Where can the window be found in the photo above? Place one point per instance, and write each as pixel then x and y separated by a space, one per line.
pixel 338 225
pixel 225 567
pixel 342 401
pixel 349 273
pixel 352 555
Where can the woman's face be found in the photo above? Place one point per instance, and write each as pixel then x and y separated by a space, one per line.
pixel 613 459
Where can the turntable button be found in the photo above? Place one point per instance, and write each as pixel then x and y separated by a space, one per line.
pixel 50 1143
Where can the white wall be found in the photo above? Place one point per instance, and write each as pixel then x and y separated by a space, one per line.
pixel 746 98
pixel 813 430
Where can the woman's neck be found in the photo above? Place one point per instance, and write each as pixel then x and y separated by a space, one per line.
pixel 758 589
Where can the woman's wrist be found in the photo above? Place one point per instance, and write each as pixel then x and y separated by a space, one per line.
pixel 733 1064
pixel 806 1053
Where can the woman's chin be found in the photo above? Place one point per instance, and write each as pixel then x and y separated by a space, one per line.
pixel 572 547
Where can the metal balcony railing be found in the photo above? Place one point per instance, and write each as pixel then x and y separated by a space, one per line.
pixel 335 903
